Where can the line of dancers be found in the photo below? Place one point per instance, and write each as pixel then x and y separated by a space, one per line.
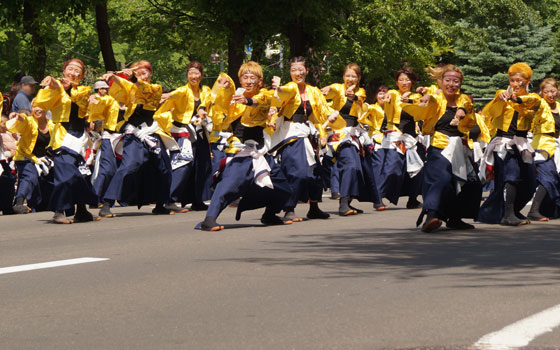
pixel 272 147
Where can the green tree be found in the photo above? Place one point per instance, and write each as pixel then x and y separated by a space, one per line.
pixel 485 66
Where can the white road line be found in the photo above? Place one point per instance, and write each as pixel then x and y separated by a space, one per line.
pixel 49 264
pixel 521 333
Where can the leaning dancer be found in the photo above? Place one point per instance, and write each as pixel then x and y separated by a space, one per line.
pixel 144 175
pixel 302 112
pixel 249 172
pixel 508 159
pixel 68 102
pixel 451 189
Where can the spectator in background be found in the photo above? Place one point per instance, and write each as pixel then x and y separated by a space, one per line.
pixel 24 95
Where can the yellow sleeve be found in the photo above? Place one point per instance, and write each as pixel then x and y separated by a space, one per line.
pixel 19 126
pixel 285 93
pixel 205 97
pixel 164 120
pixel 49 99
pixel 171 103
pixel 334 91
pixel 494 108
pixel 543 122
pixel 422 112
pixel 361 94
pixel 96 111
pixel 469 121
pixel 321 111
pixel 123 91
pixel 1 104
pixel 391 108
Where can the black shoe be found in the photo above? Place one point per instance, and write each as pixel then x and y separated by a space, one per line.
pixel 317 214
pixel 458 224
pixel 85 216
pixel 413 204
pixel 199 207
pixel 272 220
pixel 161 210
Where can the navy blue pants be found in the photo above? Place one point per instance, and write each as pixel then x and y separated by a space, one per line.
pixel 305 184
pixel 143 177
pixel 439 193
pixel 349 169
pixel 547 176
pixel 28 183
pixel 394 180
pixel 202 169
pixel 107 168
pixel 369 191
pixel 237 180
pixel 511 169
pixel 70 186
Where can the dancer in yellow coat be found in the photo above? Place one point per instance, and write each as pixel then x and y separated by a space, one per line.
pixel 299 111
pixel 68 102
pixel 508 159
pixel 451 189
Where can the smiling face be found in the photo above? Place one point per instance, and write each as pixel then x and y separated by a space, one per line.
pixel 404 83
pixel 298 72
pixel 381 96
pixel 451 83
pixel 250 82
pixel 518 84
pixel 38 113
pixel 350 78
pixel 73 72
pixel 194 76
pixel 549 93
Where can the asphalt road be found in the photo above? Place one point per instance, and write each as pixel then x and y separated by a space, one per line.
pixel 371 281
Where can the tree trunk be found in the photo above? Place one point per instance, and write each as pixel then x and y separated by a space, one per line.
pixel 37 69
pixel 104 36
pixel 236 52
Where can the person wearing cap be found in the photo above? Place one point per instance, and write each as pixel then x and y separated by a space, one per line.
pixel 24 95
pixel 104 108
pixel 508 159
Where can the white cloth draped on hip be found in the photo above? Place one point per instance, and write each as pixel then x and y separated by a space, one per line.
pixel 501 145
pixel 393 139
pixel 458 154
pixel 287 131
